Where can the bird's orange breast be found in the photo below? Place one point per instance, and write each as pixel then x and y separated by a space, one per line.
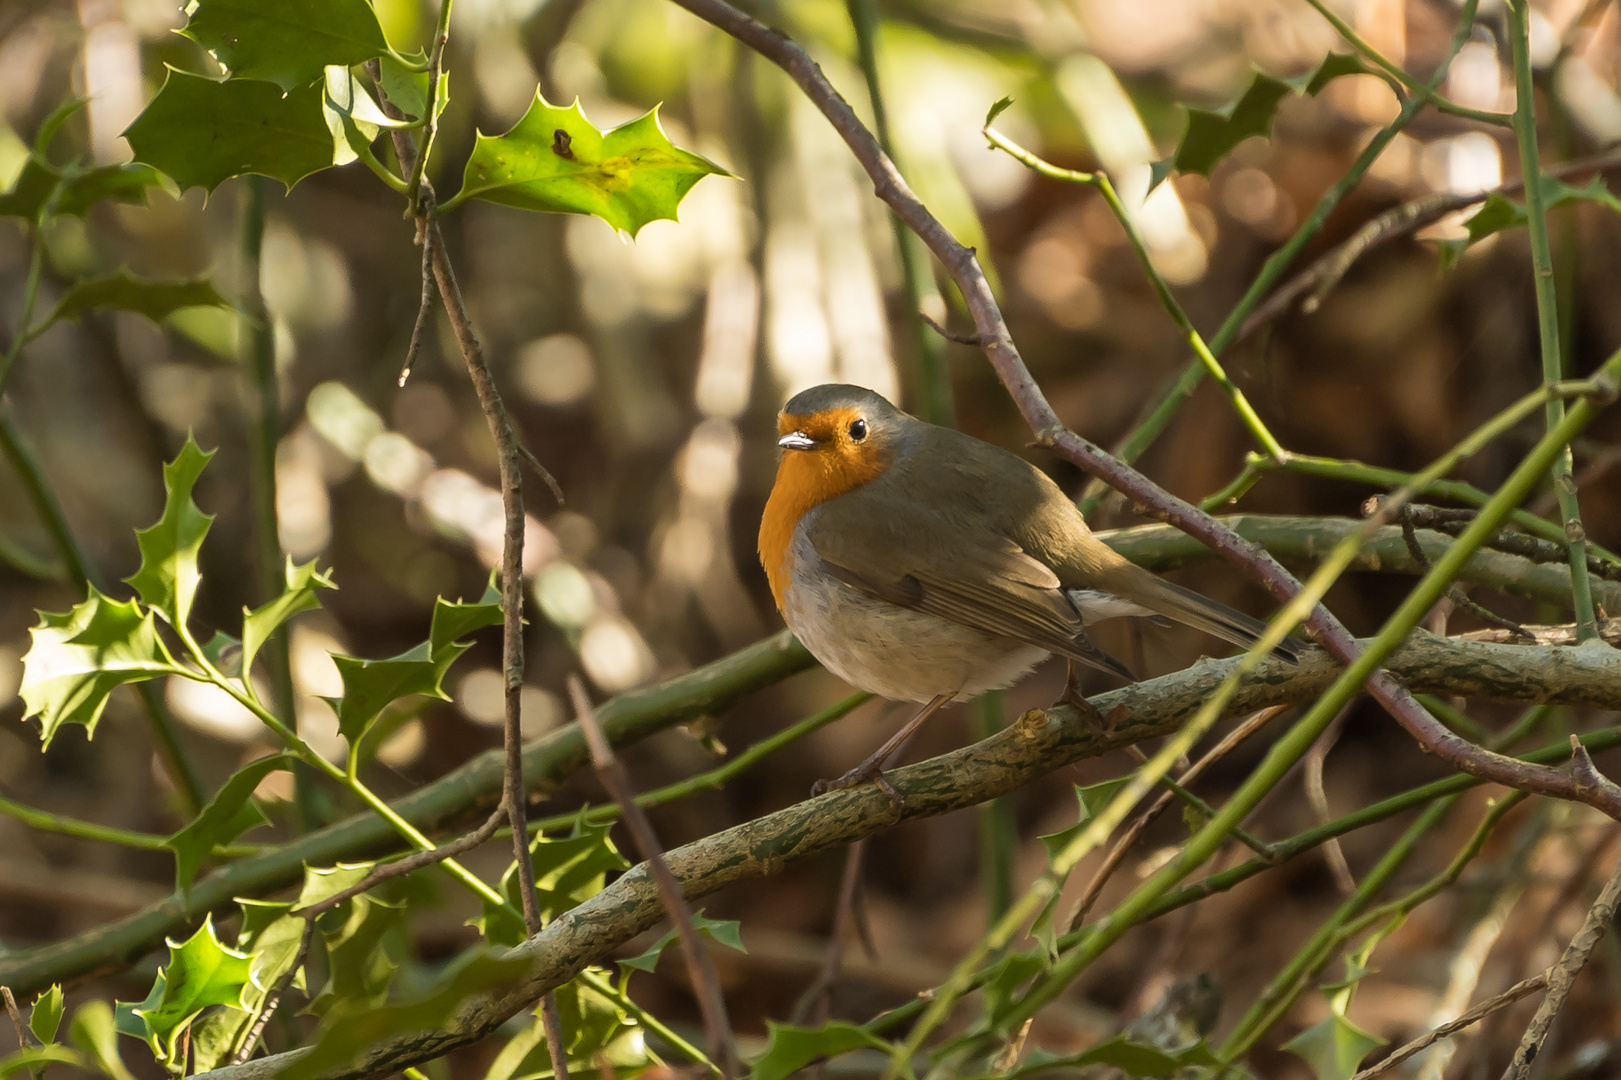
pixel 805 479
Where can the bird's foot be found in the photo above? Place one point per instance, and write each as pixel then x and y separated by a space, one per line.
pixel 867 770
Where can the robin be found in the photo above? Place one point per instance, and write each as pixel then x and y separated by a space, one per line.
pixel 924 565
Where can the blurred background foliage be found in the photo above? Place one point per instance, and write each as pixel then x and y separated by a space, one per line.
pixel 647 376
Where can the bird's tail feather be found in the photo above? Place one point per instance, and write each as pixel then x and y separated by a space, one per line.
pixel 1203 613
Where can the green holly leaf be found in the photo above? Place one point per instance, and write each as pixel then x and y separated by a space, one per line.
pixel 31 1059
pixel 224 652
pixel 1092 799
pixel 1000 106
pixel 726 931
pixel 298 596
pixel 353 118
pixel 554 160
pixel 46 1016
pixel 568 870
pixel 157 300
pixel 349 1032
pixel 214 1037
pixel 362 937
pixel 407 89
pixel 595 1028
pixel 201 972
pixel 789 1049
pixel 455 620
pixel 94 1033
pixel 1128 1055
pixel 286 42
pixel 75 188
pixel 201 132
pixel 1333 1048
pixel 370 686
pixel 77 658
pixel 1213 133
pixel 168 578
pixel 232 812
pixel 1498 213
pixel 271 937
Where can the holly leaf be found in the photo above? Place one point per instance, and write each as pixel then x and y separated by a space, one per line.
pixel 271 937
pixel 76 659
pixel 407 90
pixel 1213 133
pixel 1333 1048
pixel 454 620
pixel 298 595
pixel 157 300
pixel 353 118
pixel 46 1016
pixel 30 1059
pixel 370 686
pixel 347 1033
pixel 76 188
pixel 201 972
pixel 214 1036
pixel 1126 1054
pixel 231 813
pixel 1498 213
pixel 789 1049
pixel 94 1032
pixel 202 132
pixel 286 42
pixel 725 931
pixel 567 870
pixel 1092 798
pixel 553 160
pixel 168 578
pixel 595 1028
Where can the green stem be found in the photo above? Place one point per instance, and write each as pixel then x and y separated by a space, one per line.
pixel 604 985
pixel 36 267
pixel 107 834
pixel 1211 366
pixel 436 78
pixel 1536 211
pixel 998 824
pixel 1425 92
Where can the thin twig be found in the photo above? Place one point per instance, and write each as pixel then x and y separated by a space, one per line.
pixel 812 1007
pixel 378 875
pixel 551 1022
pixel 1333 854
pixel 1455 592
pixel 544 473
pixel 700 969
pixel 25 1037
pixel 1563 975
pixel 1473 1016
pixel 960 339
pixel 424 307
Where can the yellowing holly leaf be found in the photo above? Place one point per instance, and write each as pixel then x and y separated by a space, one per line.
pixel 554 160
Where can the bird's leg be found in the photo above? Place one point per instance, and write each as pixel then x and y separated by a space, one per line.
pixel 1072 696
pixel 873 768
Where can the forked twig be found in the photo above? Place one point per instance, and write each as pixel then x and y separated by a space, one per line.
pixel 1473 1016
pixel 700 968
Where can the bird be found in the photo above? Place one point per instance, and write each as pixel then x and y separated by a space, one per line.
pixel 924 565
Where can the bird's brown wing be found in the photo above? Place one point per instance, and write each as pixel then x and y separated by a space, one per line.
pixel 908 556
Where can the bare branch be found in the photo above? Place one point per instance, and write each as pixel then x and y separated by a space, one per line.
pixel 1473 1016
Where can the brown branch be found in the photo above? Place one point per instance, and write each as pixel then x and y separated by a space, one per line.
pixel 1321 277
pixel 812 1006
pixel 1454 520
pixel 1473 1016
pixel 960 261
pixel 424 308
pixel 1455 593
pixel 1609 631
pixel 1562 976
pixel 960 339
pixel 551 1022
pixel 509 464
pixel 700 968
pixel 25 1037
pixel 1317 795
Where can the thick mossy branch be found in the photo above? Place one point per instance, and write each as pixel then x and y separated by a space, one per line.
pixel 1039 743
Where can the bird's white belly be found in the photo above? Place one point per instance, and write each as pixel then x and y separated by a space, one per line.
pixel 892 651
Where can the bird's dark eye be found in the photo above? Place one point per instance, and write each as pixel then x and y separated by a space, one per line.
pixel 858 430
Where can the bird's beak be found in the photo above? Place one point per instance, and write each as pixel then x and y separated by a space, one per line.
pixel 796 440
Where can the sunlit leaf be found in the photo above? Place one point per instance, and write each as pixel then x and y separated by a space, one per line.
pixel 76 188
pixel 726 931
pixel 168 577
pixel 595 1028
pixel 214 1036
pixel 370 686
pixel 1499 212
pixel 347 1034
pixel 454 620
pixel 568 870
pixel 298 595
pixel 286 42
pixel 1333 1048
pixel 157 300
pixel 32 1058
pixel 201 972
pixel 93 1031
pixel 554 160
pixel 232 812
pixel 46 1015
pixel 77 658
pixel 202 132
pixel 790 1048
pixel 1212 133
pixel 271 938
pixel 352 116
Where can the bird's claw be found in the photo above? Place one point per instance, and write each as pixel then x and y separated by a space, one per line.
pixel 860 775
